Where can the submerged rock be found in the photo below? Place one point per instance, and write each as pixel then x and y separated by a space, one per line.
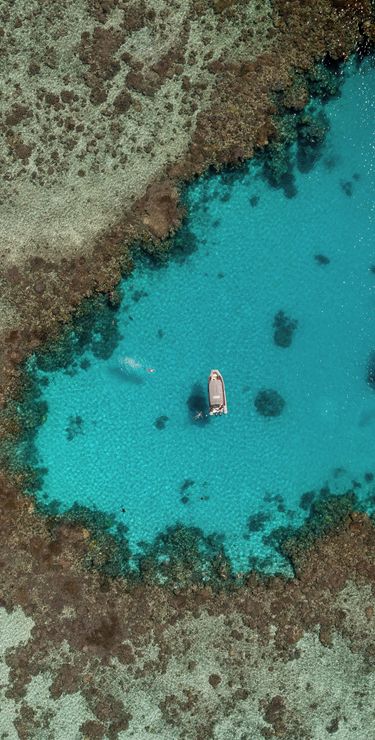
pixel 284 329
pixel 269 403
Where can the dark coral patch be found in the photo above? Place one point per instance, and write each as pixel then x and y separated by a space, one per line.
pixel 214 679
pixel 257 521
pixel 274 714
pixel 183 244
pixel 321 259
pixel 284 329
pixel 254 200
pixel 138 294
pixel 184 555
pixel 347 187
pixel 121 103
pixel 278 168
pixel 269 403
pixel 306 500
pixel 161 422
pixel 333 726
pixel 75 427
pixel 93 328
pixel 327 513
pixel 188 483
pixel 312 131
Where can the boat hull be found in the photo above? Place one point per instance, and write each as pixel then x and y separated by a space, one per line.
pixel 216 394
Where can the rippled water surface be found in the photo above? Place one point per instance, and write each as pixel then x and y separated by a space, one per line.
pixel 126 441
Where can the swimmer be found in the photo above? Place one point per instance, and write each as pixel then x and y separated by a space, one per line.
pixel 150 370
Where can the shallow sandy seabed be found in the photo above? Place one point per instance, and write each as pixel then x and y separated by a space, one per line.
pixel 106 107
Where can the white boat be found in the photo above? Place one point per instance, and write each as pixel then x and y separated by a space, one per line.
pixel 216 394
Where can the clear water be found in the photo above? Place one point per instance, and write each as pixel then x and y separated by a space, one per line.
pixel 216 310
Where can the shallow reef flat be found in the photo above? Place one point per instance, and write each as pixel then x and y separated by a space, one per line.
pixel 108 106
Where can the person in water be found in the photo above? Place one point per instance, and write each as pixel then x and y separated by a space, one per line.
pixel 199 415
pixel 131 362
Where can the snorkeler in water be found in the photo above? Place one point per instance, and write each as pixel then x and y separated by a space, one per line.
pixel 131 362
pixel 135 365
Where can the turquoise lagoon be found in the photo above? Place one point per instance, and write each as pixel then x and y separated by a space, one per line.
pixel 123 440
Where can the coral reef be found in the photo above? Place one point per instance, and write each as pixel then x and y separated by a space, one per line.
pixel 106 108
pixel 81 650
pixel 161 422
pixel 284 329
pixel 75 427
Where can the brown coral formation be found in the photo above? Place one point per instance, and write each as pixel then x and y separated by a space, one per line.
pixel 197 659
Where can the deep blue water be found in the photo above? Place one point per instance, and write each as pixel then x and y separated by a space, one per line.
pixel 216 310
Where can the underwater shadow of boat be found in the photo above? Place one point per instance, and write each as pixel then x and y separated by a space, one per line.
pixel 198 405
pixel 125 376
